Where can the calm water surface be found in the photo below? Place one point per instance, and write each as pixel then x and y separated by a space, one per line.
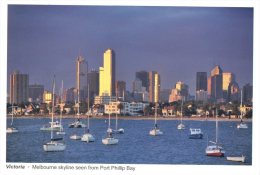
pixel 136 146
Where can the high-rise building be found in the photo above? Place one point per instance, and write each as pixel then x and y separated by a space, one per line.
pixel 216 83
pixel 144 77
pixel 183 88
pixel 233 92
pixel 47 97
pixel 120 89
pixel 36 92
pixel 81 78
pixel 154 87
pixel 93 82
pixel 228 78
pixel 247 93
pixel 201 81
pixel 19 87
pixel 201 95
pixel 107 74
pixel 175 95
pixel 70 96
pixel 181 91
pixel 201 86
pixel 137 85
pixel 209 86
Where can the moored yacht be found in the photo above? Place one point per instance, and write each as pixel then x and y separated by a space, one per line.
pixel 195 133
pixel 215 149
pixel 55 144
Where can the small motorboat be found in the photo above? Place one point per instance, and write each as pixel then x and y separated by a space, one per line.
pixel 236 159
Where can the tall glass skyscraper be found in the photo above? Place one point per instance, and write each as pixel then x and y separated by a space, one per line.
pixel 216 83
pixel 201 81
pixel 19 87
pixel 154 86
pixel 107 74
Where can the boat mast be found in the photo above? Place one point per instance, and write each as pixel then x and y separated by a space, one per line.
pixel 117 109
pixel 109 113
pixel 12 120
pixel 88 109
pixel 216 126
pixel 116 121
pixel 241 104
pixel 181 109
pixel 61 102
pixel 155 120
pixel 52 112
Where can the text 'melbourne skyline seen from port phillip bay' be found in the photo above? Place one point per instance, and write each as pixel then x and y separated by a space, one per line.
pixel 175 41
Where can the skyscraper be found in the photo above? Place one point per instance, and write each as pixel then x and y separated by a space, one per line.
pixel 36 92
pixel 120 89
pixel 228 78
pixel 144 77
pixel 233 92
pixel 201 81
pixel 93 82
pixel 247 93
pixel 181 91
pixel 70 96
pixel 201 86
pixel 183 88
pixel 81 78
pixel 107 74
pixel 137 85
pixel 216 83
pixel 154 86
pixel 19 87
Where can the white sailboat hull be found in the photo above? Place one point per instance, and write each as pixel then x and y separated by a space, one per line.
pixel 109 141
pixel 155 132
pixel 87 138
pixel 11 130
pixel 242 126
pixel 215 151
pixel 119 131
pixel 77 124
pixel 181 126
pixel 60 133
pixel 236 159
pixel 75 137
pixel 54 146
pixel 54 127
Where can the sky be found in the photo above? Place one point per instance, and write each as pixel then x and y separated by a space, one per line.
pixel 176 42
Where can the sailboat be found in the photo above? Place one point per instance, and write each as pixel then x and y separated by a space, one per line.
pixel 74 136
pixel 61 131
pixel 53 125
pixel 77 123
pixel 87 137
pixel 109 139
pixel 242 124
pixel 120 130
pixel 12 129
pixel 215 149
pixel 55 144
pixel 181 125
pixel 155 131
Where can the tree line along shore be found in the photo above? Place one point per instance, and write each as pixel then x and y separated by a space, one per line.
pixel 151 117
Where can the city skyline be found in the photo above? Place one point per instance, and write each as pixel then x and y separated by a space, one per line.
pixel 210 36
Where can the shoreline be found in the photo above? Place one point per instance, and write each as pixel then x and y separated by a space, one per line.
pixel 120 117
